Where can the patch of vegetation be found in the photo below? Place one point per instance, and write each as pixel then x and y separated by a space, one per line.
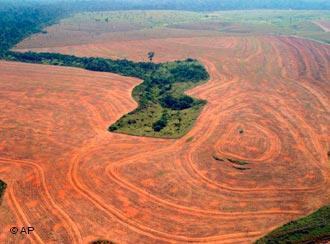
pixel 161 173
pixel 122 67
pixel 314 228
pixel 102 242
pixel 230 160
pixel 236 161
pixel 218 159
pixel 240 168
pixel 3 187
pixel 163 111
pixel 190 139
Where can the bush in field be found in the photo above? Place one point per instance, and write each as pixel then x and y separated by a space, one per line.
pixel 102 242
pixel 3 186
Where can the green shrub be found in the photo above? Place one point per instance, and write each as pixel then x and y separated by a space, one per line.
pixel 102 242
pixel 3 187
pixel 311 229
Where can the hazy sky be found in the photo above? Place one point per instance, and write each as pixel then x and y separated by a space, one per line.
pixel 192 4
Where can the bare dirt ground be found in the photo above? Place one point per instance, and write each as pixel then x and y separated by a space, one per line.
pixel 64 37
pixel 75 182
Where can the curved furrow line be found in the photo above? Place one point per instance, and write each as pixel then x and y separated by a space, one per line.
pixel 20 214
pixel 237 189
pixel 259 84
pixel 308 52
pixel 245 190
pixel 196 183
pixel 272 150
pixel 255 54
pixel 188 210
pixel 69 223
pixel 137 227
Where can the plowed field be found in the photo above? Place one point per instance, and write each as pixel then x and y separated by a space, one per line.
pixel 268 105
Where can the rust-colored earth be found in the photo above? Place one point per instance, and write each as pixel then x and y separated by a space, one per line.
pixel 75 182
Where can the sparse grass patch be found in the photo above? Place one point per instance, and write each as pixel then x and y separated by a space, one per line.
pixel 274 22
pixel 146 19
pixel 161 173
pixel 190 139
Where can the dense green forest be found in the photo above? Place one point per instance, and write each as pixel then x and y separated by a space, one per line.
pixel 311 229
pixel 18 22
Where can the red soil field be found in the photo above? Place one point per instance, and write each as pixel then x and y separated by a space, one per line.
pixel 75 182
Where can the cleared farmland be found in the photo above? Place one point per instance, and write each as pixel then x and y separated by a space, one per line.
pixel 267 106
pixel 160 194
pixel 106 27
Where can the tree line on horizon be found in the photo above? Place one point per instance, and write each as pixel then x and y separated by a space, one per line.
pixel 21 18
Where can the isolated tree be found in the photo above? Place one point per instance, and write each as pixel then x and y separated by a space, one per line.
pixel 151 55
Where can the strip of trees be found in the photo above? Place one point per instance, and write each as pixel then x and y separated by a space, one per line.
pixel 159 78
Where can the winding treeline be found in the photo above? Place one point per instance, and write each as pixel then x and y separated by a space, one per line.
pixel 123 67
pixel 159 89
